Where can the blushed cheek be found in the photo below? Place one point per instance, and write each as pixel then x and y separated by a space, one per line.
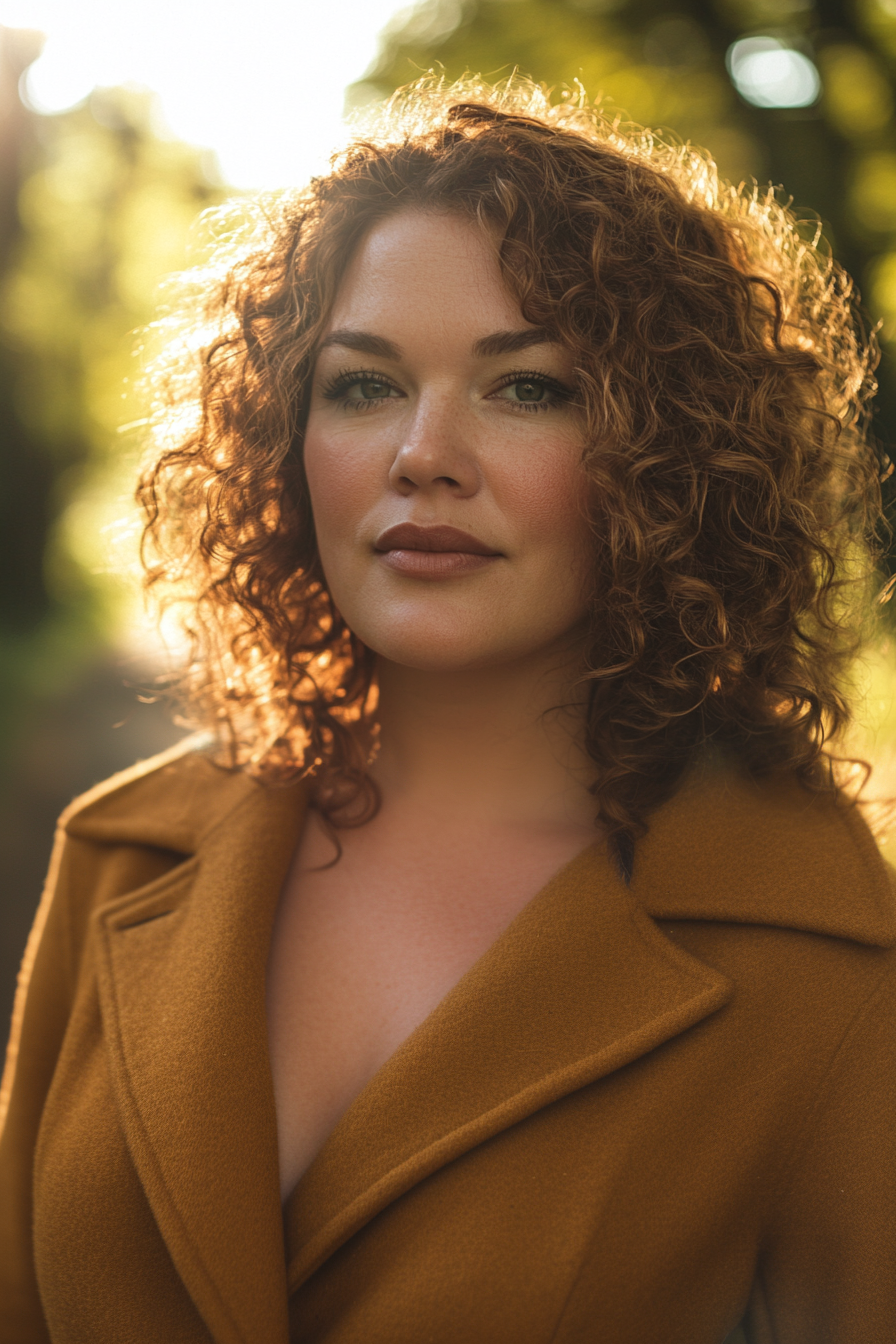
pixel 548 498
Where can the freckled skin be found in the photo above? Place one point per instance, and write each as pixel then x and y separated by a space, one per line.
pixel 447 445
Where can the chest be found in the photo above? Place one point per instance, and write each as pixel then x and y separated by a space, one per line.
pixel 364 949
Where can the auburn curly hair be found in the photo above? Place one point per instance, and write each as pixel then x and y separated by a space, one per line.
pixel 724 379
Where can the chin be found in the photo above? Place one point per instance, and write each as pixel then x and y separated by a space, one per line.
pixel 434 648
pixel 447 655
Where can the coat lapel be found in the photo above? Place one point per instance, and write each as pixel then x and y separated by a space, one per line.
pixel 580 984
pixel 182 979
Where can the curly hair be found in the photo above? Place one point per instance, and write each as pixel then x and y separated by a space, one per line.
pixel 724 378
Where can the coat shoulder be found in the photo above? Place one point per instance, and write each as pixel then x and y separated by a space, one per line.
pixel 169 801
pixel 738 850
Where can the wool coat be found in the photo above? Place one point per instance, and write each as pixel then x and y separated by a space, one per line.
pixel 650 1112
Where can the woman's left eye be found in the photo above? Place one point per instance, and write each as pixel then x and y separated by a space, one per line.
pixel 532 394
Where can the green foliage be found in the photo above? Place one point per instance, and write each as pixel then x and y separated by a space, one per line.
pixel 664 76
pixel 104 207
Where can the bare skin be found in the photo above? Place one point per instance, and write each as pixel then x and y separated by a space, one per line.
pixel 484 782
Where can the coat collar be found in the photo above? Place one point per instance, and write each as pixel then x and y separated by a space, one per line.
pixel 581 983
pixel 723 848
pixel 730 848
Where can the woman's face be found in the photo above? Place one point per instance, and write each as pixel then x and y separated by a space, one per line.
pixel 443 456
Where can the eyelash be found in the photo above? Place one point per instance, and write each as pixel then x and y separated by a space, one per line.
pixel 336 389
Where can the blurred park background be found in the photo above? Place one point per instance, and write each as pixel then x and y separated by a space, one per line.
pixel 120 124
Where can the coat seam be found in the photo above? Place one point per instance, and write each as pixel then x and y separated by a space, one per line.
pixel 687 963
pixel 763 1291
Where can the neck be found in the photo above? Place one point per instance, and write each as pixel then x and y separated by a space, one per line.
pixel 501 745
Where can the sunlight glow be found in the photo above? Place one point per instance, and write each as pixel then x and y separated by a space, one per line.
pixel 261 84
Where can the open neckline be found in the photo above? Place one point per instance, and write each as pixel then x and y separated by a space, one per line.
pixel 593 862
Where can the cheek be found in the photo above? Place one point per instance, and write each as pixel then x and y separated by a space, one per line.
pixel 343 481
pixel 545 497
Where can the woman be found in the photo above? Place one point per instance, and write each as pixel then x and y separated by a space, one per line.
pixel 506 965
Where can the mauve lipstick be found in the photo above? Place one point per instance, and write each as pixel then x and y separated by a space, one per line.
pixel 436 552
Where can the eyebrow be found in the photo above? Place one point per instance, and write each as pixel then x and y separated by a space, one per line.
pixel 499 343
pixel 364 342
pixel 508 342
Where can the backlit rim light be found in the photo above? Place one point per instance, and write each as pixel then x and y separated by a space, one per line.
pixel 768 73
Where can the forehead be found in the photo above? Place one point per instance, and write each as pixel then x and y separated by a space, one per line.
pixel 425 268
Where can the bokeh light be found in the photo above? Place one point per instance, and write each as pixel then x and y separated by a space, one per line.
pixel 768 73
pixel 858 97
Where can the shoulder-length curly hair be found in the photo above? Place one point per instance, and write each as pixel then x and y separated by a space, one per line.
pixel 724 379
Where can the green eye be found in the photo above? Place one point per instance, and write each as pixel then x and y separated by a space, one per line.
pixel 530 391
pixel 359 388
pixel 371 391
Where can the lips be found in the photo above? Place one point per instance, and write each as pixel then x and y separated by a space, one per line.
pixel 413 537
pixel 432 552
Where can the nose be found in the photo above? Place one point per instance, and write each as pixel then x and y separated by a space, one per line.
pixel 435 453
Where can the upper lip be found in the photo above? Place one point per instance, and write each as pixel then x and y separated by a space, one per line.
pixel 413 537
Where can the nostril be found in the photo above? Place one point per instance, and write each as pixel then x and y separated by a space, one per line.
pixel 408 483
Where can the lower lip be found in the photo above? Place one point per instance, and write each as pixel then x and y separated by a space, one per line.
pixel 435 564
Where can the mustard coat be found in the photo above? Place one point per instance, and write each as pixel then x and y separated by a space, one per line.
pixel 645 1114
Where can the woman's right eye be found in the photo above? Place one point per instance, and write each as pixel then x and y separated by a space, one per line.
pixel 359 391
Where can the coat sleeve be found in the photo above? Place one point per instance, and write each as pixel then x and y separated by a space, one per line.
pixel 41 1011
pixel 828 1271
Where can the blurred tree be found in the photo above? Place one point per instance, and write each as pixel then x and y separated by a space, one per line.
pixel 663 63
pixel 25 474
pixel 95 207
